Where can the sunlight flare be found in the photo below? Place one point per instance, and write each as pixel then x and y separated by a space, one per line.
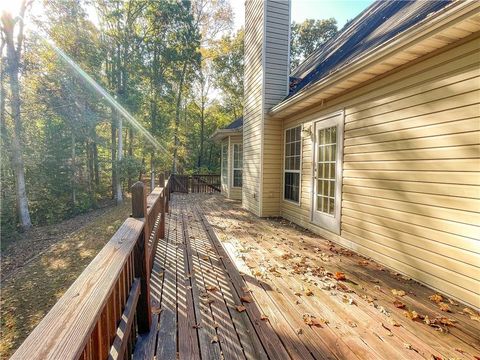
pixel 101 91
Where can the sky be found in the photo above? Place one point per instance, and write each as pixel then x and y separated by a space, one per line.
pixel 341 10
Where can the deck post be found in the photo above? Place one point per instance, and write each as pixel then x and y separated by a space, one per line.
pixel 152 180
pixel 161 179
pixel 169 186
pixel 139 210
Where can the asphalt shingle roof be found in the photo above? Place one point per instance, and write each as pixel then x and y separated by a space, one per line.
pixel 377 24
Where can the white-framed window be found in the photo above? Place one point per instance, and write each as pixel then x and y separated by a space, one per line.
pixel 224 164
pixel 237 170
pixel 292 164
pixel 327 172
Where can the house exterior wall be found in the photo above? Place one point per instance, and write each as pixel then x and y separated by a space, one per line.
pixel 411 171
pixel 267 26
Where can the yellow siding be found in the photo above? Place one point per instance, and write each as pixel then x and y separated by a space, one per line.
pixel 266 84
pixel 411 178
pixel 252 116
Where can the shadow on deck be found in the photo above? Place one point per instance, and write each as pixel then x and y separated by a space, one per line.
pixel 228 285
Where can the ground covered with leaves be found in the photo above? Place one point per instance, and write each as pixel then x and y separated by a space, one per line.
pixel 39 268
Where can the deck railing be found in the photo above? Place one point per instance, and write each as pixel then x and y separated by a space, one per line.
pixel 195 183
pixel 101 314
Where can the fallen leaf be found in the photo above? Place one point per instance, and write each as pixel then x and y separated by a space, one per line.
pixel 246 299
pixel 214 339
pixel 444 307
pixel 263 317
pixel 393 322
pixel 308 292
pixel 211 288
pixel 348 300
pixel 473 315
pixel 156 310
pixel 206 258
pixel 299 331
pixel 436 298
pixel 340 276
pixel 445 321
pixel 398 292
pixel 240 308
pixel 208 300
pixel 413 315
pixel 311 320
pixel 398 304
pixel 407 346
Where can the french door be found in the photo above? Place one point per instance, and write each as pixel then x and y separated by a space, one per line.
pixel 327 172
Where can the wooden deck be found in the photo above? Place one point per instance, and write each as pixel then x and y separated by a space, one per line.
pixel 303 297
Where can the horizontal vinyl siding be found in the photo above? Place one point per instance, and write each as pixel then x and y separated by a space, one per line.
pixel 411 178
pixel 276 83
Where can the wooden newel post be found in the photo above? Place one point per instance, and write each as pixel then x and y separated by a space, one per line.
pixel 139 211
pixel 168 189
pixel 152 180
pixel 161 179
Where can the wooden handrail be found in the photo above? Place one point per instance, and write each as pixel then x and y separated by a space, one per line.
pixel 94 319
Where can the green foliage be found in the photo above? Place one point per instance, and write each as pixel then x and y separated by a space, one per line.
pixel 130 167
pixel 174 65
pixel 308 36
pixel 228 65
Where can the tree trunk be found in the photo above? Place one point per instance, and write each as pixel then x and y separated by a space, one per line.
pixel 177 119
pixel 202 134
pixel 95 162
pixel 72 179
pixel 118 184
pixel 17 148
pixel 130 154
pixel 114 152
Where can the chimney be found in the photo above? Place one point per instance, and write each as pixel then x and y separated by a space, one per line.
pixel 266 81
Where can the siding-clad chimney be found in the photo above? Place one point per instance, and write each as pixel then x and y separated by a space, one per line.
pixel 267 48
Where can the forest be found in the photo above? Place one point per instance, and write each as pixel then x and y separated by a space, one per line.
pixel 176 67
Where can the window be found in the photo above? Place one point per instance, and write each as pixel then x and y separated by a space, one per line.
pixel 326 179
pixel 293 151
pixel 224 164
pixel 237 165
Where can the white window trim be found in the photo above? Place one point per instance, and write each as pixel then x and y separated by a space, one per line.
pixel 233 165
pixel 297 203
pixel 326 221
pixel 223 157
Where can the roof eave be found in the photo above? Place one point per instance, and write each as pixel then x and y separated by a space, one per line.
pixel 221 134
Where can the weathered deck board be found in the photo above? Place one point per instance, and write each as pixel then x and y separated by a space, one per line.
pixel 214 249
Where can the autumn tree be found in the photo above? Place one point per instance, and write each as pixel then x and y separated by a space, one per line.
pixel 308 36
pixel 228 65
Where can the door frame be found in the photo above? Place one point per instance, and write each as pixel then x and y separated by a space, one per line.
pixel 326 221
